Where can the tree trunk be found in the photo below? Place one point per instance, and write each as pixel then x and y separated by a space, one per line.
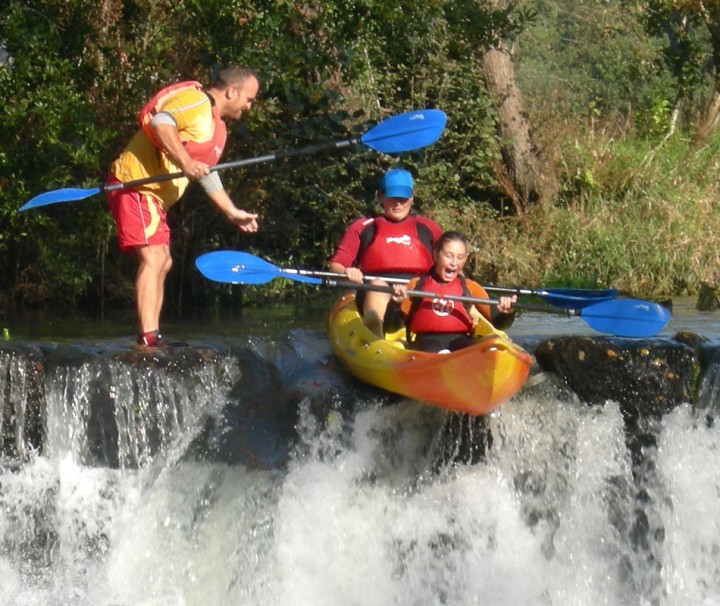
pixel 710 14
pixel 710 120
pixel 526 178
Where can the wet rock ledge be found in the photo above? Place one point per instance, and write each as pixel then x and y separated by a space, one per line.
pixel 647 377
pixel 129 403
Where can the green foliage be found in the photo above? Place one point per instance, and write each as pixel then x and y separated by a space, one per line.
pixel 681 28
pixel 591 64
pixel 50 139
pixel 335 71
pixel 601 80
pixel 650 225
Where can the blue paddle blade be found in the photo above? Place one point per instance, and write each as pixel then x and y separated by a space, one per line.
pixel 575 298
pixel 405 132
pixel 254 276
pixel 626 317
pixel 229 258
pixel 236 267
pixel 69 194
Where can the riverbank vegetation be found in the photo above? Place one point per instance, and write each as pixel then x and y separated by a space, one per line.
pixel 580 147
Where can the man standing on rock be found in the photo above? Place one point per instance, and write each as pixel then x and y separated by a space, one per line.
pixel 182 130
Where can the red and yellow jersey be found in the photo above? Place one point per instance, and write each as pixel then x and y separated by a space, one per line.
pixel 201 130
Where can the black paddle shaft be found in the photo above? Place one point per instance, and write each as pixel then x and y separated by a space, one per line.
pixel 461 298
pixel 310 149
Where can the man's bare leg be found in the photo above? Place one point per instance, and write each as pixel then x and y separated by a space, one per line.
pixel 154 264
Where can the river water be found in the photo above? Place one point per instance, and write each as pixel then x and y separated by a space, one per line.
pixel 374 503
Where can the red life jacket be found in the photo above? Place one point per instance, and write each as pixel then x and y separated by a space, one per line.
pixel 398 247
pixel 209 151
pixel 437 315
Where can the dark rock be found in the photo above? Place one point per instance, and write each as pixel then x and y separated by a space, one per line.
pixel 645 376
pixel 463 440
pixel 707 298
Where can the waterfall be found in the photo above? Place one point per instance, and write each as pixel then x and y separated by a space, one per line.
pixel 263 474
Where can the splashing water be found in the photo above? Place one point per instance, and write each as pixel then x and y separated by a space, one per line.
pixel 374 507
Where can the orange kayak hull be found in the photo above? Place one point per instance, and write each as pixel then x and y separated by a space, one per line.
pixel 475 380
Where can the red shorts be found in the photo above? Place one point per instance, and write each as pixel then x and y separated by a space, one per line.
pixel 139 218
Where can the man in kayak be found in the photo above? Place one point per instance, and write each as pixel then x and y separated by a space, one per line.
pixel 394 244
pixel 442 325
pixel 182 129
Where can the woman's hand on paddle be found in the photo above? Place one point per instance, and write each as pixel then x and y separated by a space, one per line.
pixel 354 274
pixel 506 303
pixel 399 293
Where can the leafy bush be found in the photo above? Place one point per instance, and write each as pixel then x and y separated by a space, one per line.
pixel 634 210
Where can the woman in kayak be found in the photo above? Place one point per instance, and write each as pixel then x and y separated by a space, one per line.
pixel 397 243
pixel 441 325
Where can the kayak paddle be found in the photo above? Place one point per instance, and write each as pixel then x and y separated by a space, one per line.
pixel 404 132
pixel 619 317
pixel 232 267
pixel 227 265
pixel 237 267
pixel 568 298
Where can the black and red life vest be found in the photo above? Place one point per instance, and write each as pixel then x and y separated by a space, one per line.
pixel 403 247
pixel 438 315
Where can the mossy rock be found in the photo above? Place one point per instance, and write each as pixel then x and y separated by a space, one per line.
pixel 707 298
pixel 646 377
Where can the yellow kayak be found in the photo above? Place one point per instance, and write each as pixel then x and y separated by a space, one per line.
pixel 475 380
